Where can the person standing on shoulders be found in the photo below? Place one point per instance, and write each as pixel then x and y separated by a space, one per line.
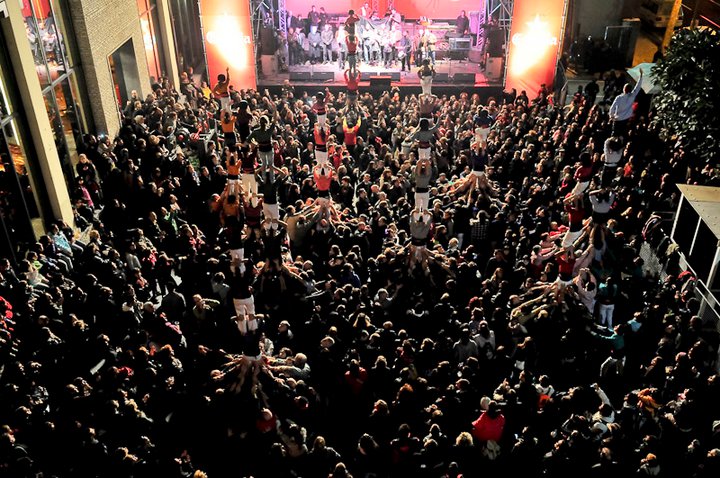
pixel 352 80
pixel 426 73
pixel 221 90
pixel 350 22
pixel 352 44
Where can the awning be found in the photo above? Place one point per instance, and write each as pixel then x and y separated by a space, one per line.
pixel 648 85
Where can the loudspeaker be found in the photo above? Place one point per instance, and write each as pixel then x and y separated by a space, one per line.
pixel 365 75
pixel 457 54
pixel 459 43
pixel 299 76
pixel 441 78
pixel 268 45
pixel 380 81
pixel 394 75
pixel 493 69
pixel 496 39
pixel 475 56
pixel 323 76
pixel 464 78
pixel 269 65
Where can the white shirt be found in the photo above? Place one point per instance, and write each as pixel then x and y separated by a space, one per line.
pixel 621 108
pixel 612 158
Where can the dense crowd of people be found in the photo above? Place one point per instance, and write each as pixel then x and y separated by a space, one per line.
pixel 361 286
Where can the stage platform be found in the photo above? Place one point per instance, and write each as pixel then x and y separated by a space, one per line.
pixel 451 75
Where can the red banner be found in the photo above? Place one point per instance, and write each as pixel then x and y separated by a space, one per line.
pixel 534 40
pixel 228 41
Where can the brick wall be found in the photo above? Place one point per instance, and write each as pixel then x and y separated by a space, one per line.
pixel 101 27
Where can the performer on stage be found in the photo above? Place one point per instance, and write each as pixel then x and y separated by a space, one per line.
pixel 462 23
pixel 296 39
pixel 365 11
pixel 426 74
pixel 386 45
pixel 394 17
pixel 327 38
pixel 340 37
pixel 430 41
pixel 314 40
pixel 370 45
pixel 324 17
pixel 404 50
pixel 313 19
pixel 419 48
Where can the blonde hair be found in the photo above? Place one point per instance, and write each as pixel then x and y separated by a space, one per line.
pixel 464 439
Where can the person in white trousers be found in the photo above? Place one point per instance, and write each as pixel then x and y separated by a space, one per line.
pixel 426 73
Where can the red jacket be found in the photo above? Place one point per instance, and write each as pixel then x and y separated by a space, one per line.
pixel 322 182
pixel 351 45
pixel 486 428
pixel 351 134
pixel 353 83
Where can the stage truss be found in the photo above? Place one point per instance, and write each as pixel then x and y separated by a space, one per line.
pixel 499 12
pixel 282 17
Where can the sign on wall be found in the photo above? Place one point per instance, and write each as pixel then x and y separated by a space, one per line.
pixel 227 33
pixel 535 37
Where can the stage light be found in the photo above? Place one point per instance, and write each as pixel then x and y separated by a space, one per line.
pixel 532 45
pixel 227 36
pixel 228 41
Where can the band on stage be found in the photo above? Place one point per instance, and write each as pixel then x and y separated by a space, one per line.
pixel 377 41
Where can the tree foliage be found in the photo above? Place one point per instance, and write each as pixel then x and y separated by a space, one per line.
pixel 688 106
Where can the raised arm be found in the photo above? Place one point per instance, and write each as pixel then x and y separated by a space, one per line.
pixel 638 85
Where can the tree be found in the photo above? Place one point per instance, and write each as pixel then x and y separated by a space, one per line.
pixel 688 105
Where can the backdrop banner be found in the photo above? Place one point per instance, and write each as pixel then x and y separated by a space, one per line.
pixel 227 33
pixel 534 40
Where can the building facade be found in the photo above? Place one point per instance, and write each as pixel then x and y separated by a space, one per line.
pixel 66 68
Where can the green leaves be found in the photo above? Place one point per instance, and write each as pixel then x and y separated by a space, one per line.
pixel 689 104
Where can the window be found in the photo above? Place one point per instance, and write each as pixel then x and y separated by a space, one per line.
pixel 149 25
pixel 19 198
pixel 48 33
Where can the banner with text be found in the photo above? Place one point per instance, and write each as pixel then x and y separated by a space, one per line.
pixel 534 40
pixel 228 41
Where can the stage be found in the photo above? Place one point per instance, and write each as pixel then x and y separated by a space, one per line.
pixel 451 75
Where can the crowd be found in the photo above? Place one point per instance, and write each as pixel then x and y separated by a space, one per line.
pixel 380 286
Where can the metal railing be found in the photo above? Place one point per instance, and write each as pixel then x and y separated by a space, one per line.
pixel 656 266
